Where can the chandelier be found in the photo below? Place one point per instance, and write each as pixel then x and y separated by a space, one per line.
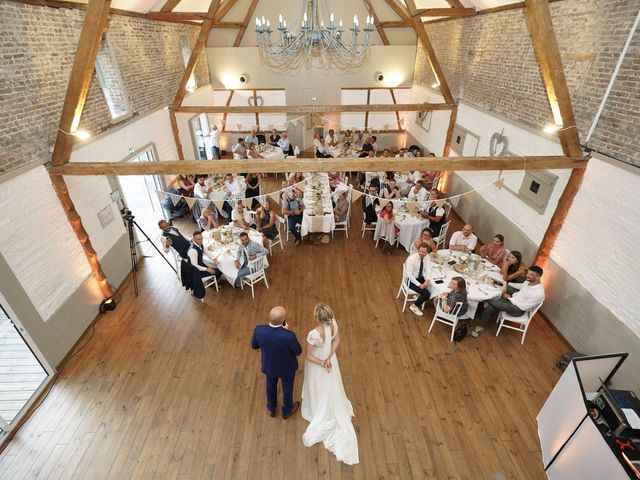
pixel 314 39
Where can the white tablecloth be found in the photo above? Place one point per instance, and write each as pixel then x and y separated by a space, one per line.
pixel 226 254
pixel 479 287
pixel 322 220
pixel 411 227
pixel 222 193
pixel 401 179
pixel 273 153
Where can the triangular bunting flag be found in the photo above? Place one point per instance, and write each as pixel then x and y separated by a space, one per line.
pixel 219 204
pixel 499 183
pixel 190 201
pixel 275 196
pixel 441 202
pixel 355 194
pixel 383 202
pixel 175 199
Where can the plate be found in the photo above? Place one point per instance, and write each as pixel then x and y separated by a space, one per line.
pixel 459 268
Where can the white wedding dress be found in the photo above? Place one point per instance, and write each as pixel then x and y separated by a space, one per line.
pixel 325 403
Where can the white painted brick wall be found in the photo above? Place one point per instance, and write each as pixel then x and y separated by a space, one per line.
pixel 38 243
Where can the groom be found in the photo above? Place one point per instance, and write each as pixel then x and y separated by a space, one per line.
pixel 280 348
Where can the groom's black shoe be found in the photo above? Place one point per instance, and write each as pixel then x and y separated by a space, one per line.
pixel 294 409
pixel 272 413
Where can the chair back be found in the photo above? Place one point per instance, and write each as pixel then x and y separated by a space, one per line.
pixel 452 316
pixel 296 151
pixel 443 235
pixel 533 311
pixel 256 265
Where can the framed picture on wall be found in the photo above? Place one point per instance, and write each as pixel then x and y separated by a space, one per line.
pixel 423 120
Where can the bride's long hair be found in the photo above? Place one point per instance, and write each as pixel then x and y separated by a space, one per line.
pixel 323 313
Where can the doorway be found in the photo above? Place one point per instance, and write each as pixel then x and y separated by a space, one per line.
pixel 23 374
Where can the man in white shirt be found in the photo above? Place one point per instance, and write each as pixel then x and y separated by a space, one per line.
pixel 463 241
pixel 200 190
pixel 331 140
pixel 241 217
pixel 251 138
pixel 196 257
pixel 214 139
pixel 284 144
pixel 418 193
pixel 322 150
pixel 239 150
pixel 417 269
pixel 530 295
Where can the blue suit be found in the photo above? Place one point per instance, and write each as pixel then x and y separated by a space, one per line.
pixel 280 347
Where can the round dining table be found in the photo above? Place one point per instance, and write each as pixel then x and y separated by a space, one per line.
pixel 225 253
pixel 483 278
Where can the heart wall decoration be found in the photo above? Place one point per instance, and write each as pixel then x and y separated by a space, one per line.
pixel 255 101
pixel 498 139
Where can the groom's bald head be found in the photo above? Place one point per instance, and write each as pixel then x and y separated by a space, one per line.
pixel 277 315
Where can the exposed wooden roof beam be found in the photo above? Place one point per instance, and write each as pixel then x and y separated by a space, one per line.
pixel 455 3
pixel 421 32
pixel 227 25
pixel 445 12
pixel 400 10
pixel 169 16
pixel 366 164
pixel 80 79
pixel 376 21
pixel 224 9
pixel 205 29
pixel 245 23
pixel 486 11
pixel 396 24
pixel 169 5
pixel 382 107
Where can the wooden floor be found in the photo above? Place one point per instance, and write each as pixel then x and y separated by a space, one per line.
pixel 20 372
pixel 169 387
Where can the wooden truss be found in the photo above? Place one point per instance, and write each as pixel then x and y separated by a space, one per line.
pixel 545 46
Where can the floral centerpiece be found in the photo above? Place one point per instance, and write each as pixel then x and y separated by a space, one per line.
pixel 218 180
pixel 226 234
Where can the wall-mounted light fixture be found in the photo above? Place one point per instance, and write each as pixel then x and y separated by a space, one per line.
pixel 107 305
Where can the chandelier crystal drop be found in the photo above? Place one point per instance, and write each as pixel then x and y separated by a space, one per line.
pixel 314 39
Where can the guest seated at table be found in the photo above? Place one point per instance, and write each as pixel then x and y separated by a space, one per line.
pixel 391 191
pixel 252 138
pixel 171 237
pixel 415 177
pixel 239 150
pixel 322 151
pixel 208 220
pixel 284 143
pixel 195 254
pixel 418 193
pixel 386 153
pixel 296 177
pixel 347 136
pixel 523 300
pixel 428 178
pixel 374 143
pixel 252 151
pixel 249 250
pixel 514 269
pixel 341 208
pixel 369 204
pixel 463 241
pixel 316 140
pixel 185 185
pixel 293 208
pixel 388 227
pixel 346 150
pixel 253 181
pixel 286 190
pixel 331 139
pixel 457 294
pixel 241 217
pixel 435 214
pixel 417 268
pixel 266 221
pixel 425 238
pixel 274 138
pixel 401 153
pixel 367 149
pixel 358 141
pixel 494 251
pixel 200 190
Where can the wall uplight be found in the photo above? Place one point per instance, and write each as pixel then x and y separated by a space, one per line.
pixel 435 85
pixel 551 128
pixel 81 134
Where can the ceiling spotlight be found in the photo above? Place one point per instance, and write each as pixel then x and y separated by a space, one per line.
pixel 244 78
pixel 378 76
pixel 551 128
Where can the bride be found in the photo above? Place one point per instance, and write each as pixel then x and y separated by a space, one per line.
pixel 324 401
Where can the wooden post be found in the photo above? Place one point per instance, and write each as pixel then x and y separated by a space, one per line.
pixel 452 123
pixel 421 32
pixel 95 21
pixel 376 22
pixel 60 187
pixel 548 54
pixel 245 23
pixel 176 135
pixel 224 116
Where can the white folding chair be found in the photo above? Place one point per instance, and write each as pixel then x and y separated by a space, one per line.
pixel 176 261
pixel 367 226
pixel 405 289
pixel 343 226
pixel 520 324
pixel 278 240
pixel 256 273
pixel 450 318
pixel 440 239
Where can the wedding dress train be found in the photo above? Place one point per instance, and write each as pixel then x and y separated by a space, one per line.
pixel 325 403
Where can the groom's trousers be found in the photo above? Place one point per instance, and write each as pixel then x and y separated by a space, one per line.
pixel 287 393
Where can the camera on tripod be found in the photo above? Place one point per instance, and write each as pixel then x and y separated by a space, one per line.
pixel 127 215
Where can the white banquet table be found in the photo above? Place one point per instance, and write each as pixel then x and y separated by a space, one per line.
pixel 220 192
pixel 410 225
pixel 214 249
pixel 272 153
pixel 480 286
pixel 317 217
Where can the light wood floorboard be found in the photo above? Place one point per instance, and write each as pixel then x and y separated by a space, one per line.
pixel 169 387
